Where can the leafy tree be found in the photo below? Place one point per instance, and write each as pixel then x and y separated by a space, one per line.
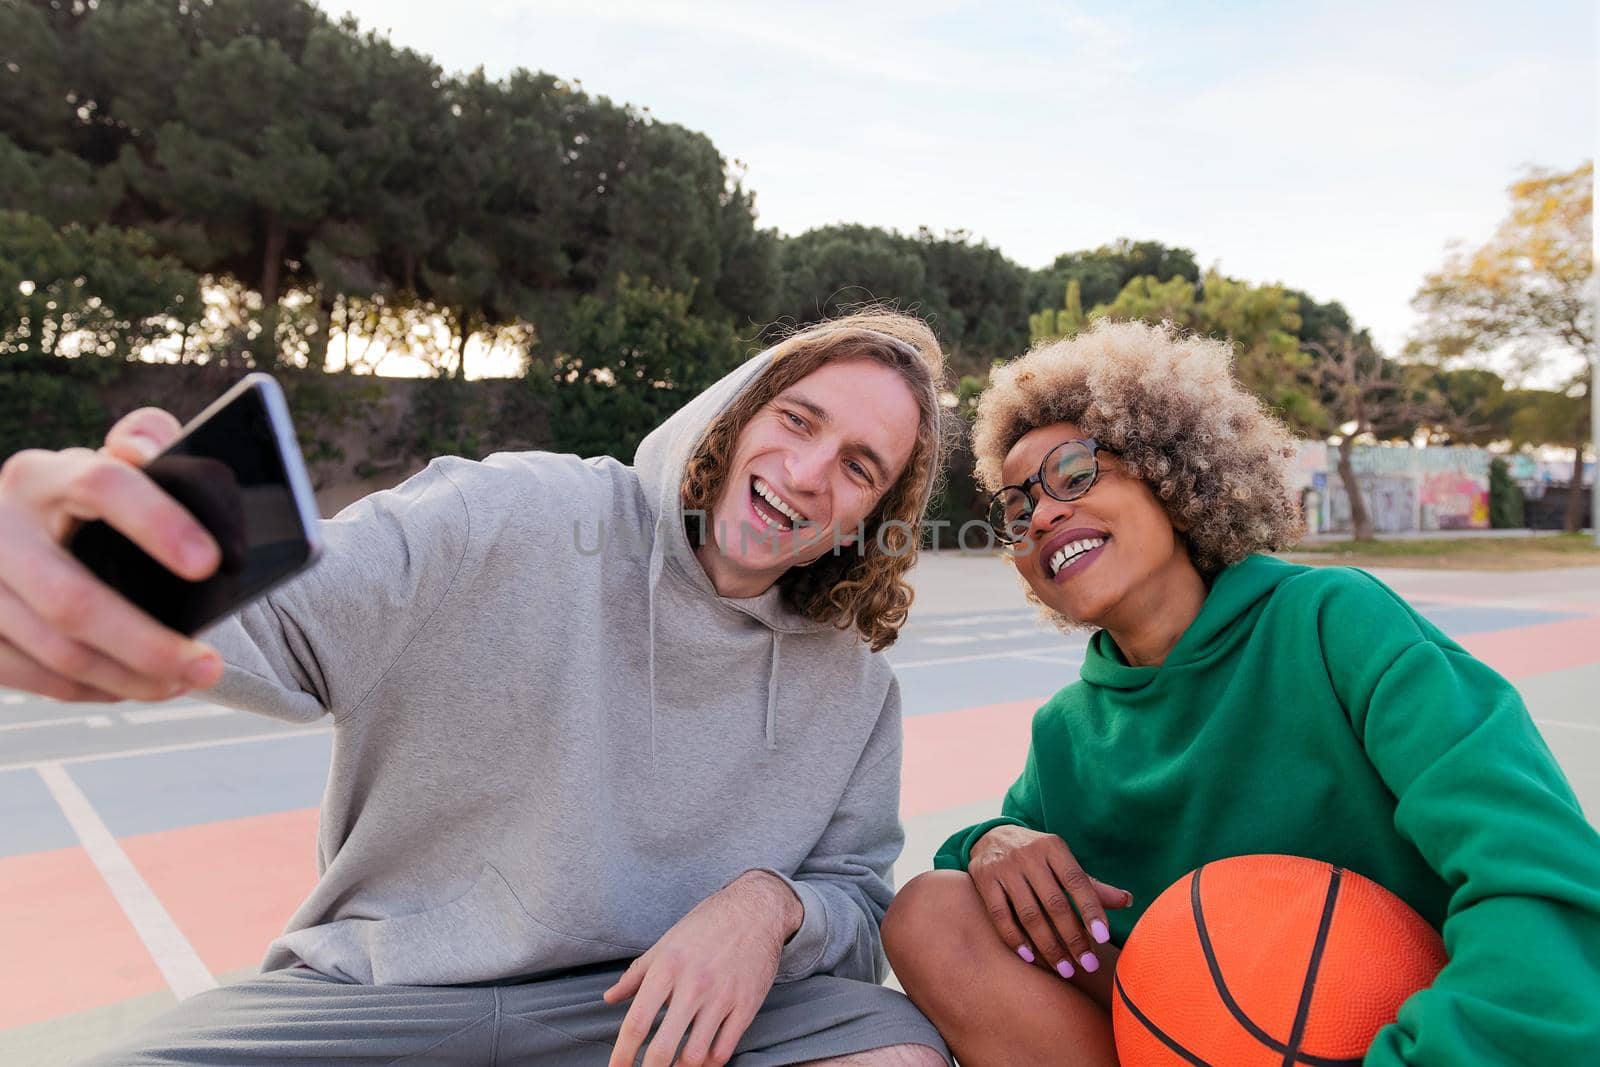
pixel 1059 322
pixel 1364 394
pixel 1260 321
pixel 831 269
pixel 1505 497
pixel 47 402
pixel 1539 416
pixel 80 290
pixel 58 187
pixel 1263 324
pixel 972 296
pixel 1526 292
pixel 1475 405
pixel 1104 272
pixel 980 296
pixel 630 361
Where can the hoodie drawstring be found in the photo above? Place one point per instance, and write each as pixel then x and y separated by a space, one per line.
pixel 656 562
pixel 772 695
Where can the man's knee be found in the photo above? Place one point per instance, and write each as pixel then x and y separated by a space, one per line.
pixel 891 1056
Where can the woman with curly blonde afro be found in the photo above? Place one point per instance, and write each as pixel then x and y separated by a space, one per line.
pixel 1231 703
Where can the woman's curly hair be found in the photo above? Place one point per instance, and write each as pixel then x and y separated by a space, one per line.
pixel 861 585
pixel 1168 405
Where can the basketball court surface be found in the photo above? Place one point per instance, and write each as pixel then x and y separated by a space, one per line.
pixel 149 852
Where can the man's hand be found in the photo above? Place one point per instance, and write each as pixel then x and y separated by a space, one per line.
pixel 712 970
pixel 63 633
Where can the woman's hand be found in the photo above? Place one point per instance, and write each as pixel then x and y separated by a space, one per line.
pixel 1030 883
pixel 64 633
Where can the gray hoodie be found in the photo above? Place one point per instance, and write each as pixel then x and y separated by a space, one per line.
pixel 545 755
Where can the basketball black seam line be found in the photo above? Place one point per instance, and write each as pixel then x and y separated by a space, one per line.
pixel 1232 1005
pixel 1302 1015
pixel 1160 1034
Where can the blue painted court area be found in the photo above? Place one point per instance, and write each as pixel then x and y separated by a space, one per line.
pixel 956 660
pixel 155 792
pixel 33 820
pixel 1459 620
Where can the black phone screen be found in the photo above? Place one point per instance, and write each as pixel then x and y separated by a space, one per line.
pixel 229 472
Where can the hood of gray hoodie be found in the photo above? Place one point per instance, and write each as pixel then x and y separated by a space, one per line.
pixel 553 738
pixel 660 462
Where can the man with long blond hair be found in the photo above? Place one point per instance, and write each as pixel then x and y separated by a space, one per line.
pixel 616 765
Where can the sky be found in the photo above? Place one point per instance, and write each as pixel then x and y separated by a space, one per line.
pixel 1336 148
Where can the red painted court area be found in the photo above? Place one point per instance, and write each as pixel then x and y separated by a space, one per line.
pixel 157 871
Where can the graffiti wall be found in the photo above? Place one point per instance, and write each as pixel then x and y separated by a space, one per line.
pixel 1391 501
pixel 1454 501
pixel 1408 489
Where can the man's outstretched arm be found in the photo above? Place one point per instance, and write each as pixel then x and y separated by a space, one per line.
pixel 322 642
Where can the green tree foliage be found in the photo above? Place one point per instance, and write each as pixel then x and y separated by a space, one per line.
pixel 1262 322
pixel 1505 498
pixel 1477 408
pixel 1103 273
pixel 314 166
pixel 1059 322
pixel 78 290
pixel 979 297
pixel 50 403
pixel 832 269
pixel 974 297
pixel 630 361
pixel 1527 291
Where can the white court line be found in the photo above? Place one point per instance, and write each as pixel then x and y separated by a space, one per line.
pixel 950 619
pixel 12 698
pixel 1590 726
pixel 180 965
pixel 192 711
pixel 156 750
pixel 138 718
pixel 1054 661
pixel 70 720
pixel 1012 654
pixel 993 635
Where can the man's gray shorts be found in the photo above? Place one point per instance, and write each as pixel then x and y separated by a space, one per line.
pixel 301 1017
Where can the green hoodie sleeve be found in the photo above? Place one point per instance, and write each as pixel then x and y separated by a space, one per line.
pixel 1022 806
pixel 1483 800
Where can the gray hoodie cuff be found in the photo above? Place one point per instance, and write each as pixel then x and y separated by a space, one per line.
pixel 803 951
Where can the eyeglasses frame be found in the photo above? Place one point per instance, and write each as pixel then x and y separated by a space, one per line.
pixel 1026 487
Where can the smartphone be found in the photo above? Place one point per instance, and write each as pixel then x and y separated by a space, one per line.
pixel 238 470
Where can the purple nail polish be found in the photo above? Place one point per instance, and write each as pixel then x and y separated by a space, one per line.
pixel 1098 929
pixel 1089 962
pixel 1064 969
pixel 1026 954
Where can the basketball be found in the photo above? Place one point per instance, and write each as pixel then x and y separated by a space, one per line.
pixel 1268 961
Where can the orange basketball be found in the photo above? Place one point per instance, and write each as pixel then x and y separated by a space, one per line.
pixel 1268 961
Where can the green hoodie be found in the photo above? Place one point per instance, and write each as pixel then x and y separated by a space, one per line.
pixel 1310 711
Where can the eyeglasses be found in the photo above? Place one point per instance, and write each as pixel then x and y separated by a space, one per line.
pixel 1068 471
